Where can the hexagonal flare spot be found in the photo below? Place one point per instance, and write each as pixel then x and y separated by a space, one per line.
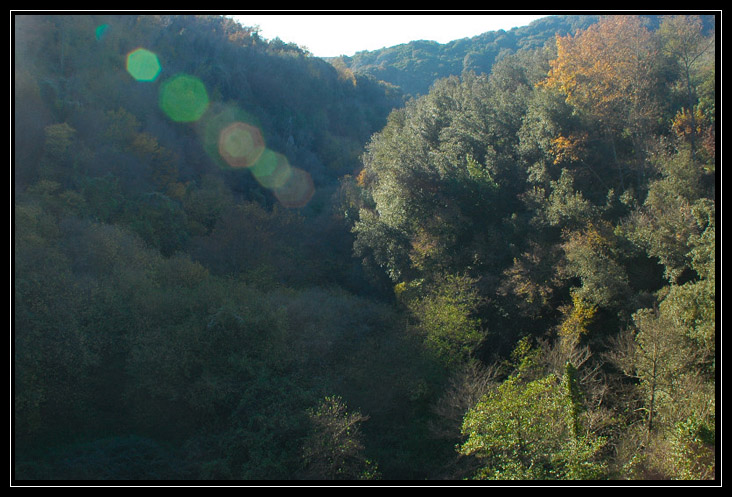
pixel 143 65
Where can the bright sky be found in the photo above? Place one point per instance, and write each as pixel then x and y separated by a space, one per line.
pixel 330 35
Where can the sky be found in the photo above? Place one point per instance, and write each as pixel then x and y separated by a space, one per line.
pixel 331 35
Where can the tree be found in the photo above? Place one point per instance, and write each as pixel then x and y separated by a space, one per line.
pixel 665 226
pixel 333 450
pixel 592 255
pixel 605 68
pixel 678 398
pixel 72 311
pixel 59 151
pixel 205 203
pixel 606 71
pixel 530 430
pixel 692 454
pixel 446 319
pixel 684 42
pixel 533 279
pixel 466 387
pixel 381 247
pixel 567 207
pixel 159 220
pixel 435 175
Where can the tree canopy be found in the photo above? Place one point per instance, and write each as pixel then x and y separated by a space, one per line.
pixel 493 259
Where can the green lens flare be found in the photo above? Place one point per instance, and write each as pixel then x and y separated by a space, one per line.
pixel 183 98
pixel 99 32
pixel 272 170
pixel 143 65
pixel 241 144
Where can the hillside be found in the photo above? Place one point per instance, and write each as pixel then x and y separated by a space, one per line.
pixel 414 66
pixel 234 261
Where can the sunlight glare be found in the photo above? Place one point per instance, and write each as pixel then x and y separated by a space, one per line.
pixel 142 64
pixel 272 170
pixel 183 98
pixel 297 191
pixel 241 144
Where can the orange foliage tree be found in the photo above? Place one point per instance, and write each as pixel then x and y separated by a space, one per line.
pixel 606 71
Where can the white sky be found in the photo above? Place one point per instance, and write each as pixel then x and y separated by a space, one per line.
pixel 330 35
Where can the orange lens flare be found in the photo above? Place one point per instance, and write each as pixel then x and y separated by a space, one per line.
pixel 241 144
pixel 297 190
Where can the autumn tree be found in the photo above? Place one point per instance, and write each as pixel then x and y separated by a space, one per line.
pixel 683 41
pixel 607 72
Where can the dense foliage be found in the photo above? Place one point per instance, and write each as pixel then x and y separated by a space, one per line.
pixel 561 199
pixel 236 261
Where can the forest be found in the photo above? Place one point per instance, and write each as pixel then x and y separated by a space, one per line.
pixel 235 261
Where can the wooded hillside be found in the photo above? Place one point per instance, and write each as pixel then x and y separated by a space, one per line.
pixel 235 261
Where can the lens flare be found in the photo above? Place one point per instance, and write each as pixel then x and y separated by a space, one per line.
pixel 234 139
pixel 143 65
pixel 183 98
pixel 272 170
pixel 100 30
pixel 297 191
pixel 241 144
pixel 230 136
